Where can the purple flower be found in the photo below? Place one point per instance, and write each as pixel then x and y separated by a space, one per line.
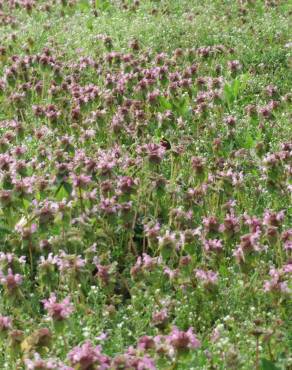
pixel 80 181
pixel 155 152
pixel 69 262
pixel 37 363
pixel 5 323
pixel 159 317
pixel 213 245
pixel 183 340
pixel 277 282
pixel 239 255
pixel 10 259
pixel 87 355
pixel 271 90
pixel 250 242
pixel 126 184
pixel 234 65
pixel 168 240
pixel 11 281
pixel 288 245
pixel 58 311
pixel 109 206
pixel 104 273
pixel 253 222
pixel 230 225
pixel 145 343
pixel 172 274
pixel 146 363
pixel 287 269
pixel 131 360
pixel 273 218
pixel 211 224
pixel 198 164
pixel 209 278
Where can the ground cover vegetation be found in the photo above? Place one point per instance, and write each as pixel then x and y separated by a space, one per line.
pixel 145 184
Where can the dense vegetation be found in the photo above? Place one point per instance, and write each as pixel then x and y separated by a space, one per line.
pixel 145 184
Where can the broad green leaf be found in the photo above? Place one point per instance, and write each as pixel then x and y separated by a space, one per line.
pixel 26 203
pixel 164 103
pixel 62 193
pixel 68 187
pixel 268 365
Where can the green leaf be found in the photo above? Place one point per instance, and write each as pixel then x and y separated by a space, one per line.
pixel 84 5
pixel 4 230
pixel 181 106
pixel 102 4
pixel 62 193
pixel 164 103
pixel 26 203
pixel 228 95
pixel 235 88
pixel 89 24
pixel 244 81
pixel 68 188
pixel 106 5
pixel 268 365
pixel 223 271
pixel 249 142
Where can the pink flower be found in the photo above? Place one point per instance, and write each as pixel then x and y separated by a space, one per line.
pixel 37 363
pixel 11 280
pixel 88 355
pixel 104 273
pixel 234 65
pixel 80 181
pixel 69 262
pixel 215 335
pixel 155 152
pixel 273 218
pixel 5 323
pixel 213 245
pixel 172 274
pixel 253 222
pixel 277 282
pixel 101 337
pixel 131 360
pixel 168 240
pixel 250 242
pixel 183 340
pixel 159 317
pixel 288 245
pixel 58 311
pixel 145 342
pixel 211 224
pixel 109 206
pixel 287 269
pixel 208 277
pixel 231 224
pixel 146 363
pixel 239 255
pixel 287 239
pixel 152 231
